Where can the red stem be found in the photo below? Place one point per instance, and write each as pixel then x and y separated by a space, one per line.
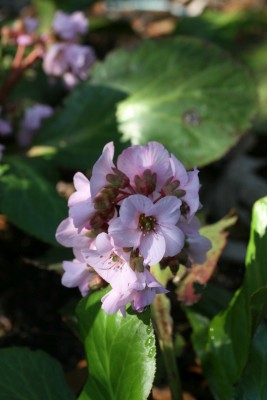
pixel 18 67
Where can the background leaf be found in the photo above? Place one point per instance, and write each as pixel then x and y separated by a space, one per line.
pixel 31 375
pixel 120 352
pixel 187 94
pixel 29 199
pixel 76 135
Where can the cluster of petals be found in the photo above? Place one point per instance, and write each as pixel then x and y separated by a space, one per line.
pixel 126 219
pixel 32 121
pixel 67 58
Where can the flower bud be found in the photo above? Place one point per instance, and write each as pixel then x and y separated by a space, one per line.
pixel 96 282
pixel 147 184
pixel 118 180
pixel 170 187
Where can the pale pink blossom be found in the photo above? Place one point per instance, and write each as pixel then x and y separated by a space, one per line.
pixel 140 295
pixel 5 128
pixel 80 203
pixel 68 26
pixel 102 168
pixel 70 61
pixel 69 235
pixel 149 227
pixel 111 263
pixel 77 274
pixel 198 245
pixel 188 182
pixel 135 160
pixel 32 121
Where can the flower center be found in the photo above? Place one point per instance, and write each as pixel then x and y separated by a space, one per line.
pixel 147 224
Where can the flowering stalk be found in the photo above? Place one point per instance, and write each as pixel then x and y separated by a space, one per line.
pixel 163 325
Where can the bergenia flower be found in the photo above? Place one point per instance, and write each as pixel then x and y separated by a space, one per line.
pixel 5 128
pixel 70 61
pixel 149 227
pixel 152 158
pixel 32 121
pixel 197 245
pixel 68 26
pixel 129 217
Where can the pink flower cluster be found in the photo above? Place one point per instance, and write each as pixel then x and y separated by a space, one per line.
pixel 66 57
pixel 127 218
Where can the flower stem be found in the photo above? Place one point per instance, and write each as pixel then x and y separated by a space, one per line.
pixel 164 330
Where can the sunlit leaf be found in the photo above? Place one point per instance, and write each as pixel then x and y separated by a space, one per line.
pixel 187 94
pixel 120 352
pixel 75 136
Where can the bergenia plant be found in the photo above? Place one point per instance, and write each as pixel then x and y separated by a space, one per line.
pixel 125 287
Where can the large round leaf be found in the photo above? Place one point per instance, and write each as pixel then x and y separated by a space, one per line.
pixel 29 198
pixel 120 352
pixel 31 375
pixel 75 136
pixel 187 94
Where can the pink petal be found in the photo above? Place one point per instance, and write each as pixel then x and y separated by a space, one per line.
pixel 174 240
pixel 103 244
pixel 132 208
pixel 122 235
pixel 192 189
pixel 178 170
pixel 68 235
pixel 82 186
pixel 102 167
pixel 75 274
pixel 114 301
pixel 81 213
pixel 167 210
pixel 136 159
pixel 152 248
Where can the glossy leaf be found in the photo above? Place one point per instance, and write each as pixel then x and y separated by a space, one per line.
pixel 224 344
pixel 77 133
pixel 31 375
pixel 120 352
pixel 29 197
pixel 201 274
pixel 187 94
pixel 252 384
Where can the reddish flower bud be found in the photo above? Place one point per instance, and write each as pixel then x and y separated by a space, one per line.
pixel 118 180
pixel 147 184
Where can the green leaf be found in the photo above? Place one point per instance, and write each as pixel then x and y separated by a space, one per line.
pixel 76 135
pixel 29 199
pixel 120 352
pixel 223 345
pixel 252 384
pixel 189 95
pixel 31 375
